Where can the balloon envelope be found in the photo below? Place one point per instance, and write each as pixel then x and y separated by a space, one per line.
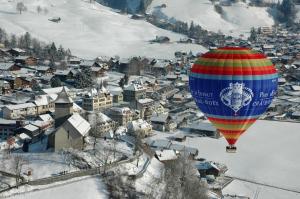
pixel 233 86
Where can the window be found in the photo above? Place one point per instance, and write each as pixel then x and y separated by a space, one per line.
pixel 68 134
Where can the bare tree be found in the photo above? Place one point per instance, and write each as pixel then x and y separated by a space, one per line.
pixel 138 145
pixel 21 7
pixel 106 158
pixel 181 181
pixel 18 162
pixel 39 9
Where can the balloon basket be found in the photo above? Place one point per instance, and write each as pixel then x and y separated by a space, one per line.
pixel 231 149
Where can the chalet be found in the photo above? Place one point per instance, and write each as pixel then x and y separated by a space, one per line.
pixel 9 66
pixel 7 128
pixel 44 104
pixel 26 60
pixel 190 151
pixel 134 91
pixel 63 75
pixel 139 127
pixel 98 71
pixel 121 115
pixel 204 129
pixel 4 87
pixel 44 70
pixel 143 104
pixel 102 123
pixel 32 131
pixel 75 61
pixel 19 111
pixel 207 168
pixel 162 122
pixel 15 52
pixel 24 82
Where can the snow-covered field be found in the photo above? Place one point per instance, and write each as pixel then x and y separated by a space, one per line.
pixel 241 188
pixel 87 188
pixel 89 30
pixel 237 19
pixel 267 153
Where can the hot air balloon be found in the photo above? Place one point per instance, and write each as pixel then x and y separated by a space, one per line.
pixel 233 86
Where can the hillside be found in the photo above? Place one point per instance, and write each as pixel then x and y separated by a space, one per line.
pixel 235 20
pixel 89 30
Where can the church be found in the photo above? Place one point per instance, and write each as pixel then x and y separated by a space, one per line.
pixel 70 128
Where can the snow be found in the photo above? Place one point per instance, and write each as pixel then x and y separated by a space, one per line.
pixel 90 30
pixel 237 19
pixel 152 173
pixel 249 189
pixel 80 124
pixel 88 188
pixel 266 153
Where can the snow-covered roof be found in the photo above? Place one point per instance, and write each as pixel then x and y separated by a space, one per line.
pixel 31 127
pixel 55 90
pixel 19 50
pixel 134 87
pixel 46 117
pixel 164 155
pixel 145 101
pixel 5 66
pixel 7 122
pixel 159 118
pixel 42 68
pixel 79 124
pixel 24 136
pixel 20 106
pixel 139 124
pixel 121 110
pixel 41 100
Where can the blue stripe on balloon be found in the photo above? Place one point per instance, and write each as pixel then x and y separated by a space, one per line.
pixel 234 77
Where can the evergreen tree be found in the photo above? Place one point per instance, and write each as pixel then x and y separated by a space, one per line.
pixel 13 41
pixel 286 11
pixel 55 82
pixel 253 35
pixel 27 40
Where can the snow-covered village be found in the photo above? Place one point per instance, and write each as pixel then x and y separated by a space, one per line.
pixel 125 99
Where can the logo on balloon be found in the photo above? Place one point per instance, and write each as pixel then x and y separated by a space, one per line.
pixel 236 96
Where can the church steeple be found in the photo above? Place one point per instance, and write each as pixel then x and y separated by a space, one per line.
pixel 63 107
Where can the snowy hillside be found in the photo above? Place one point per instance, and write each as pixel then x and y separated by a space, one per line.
pixel 237 19
pixel 267 153
pixel 89 30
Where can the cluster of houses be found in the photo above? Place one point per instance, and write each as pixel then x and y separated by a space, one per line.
pixel 145 96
